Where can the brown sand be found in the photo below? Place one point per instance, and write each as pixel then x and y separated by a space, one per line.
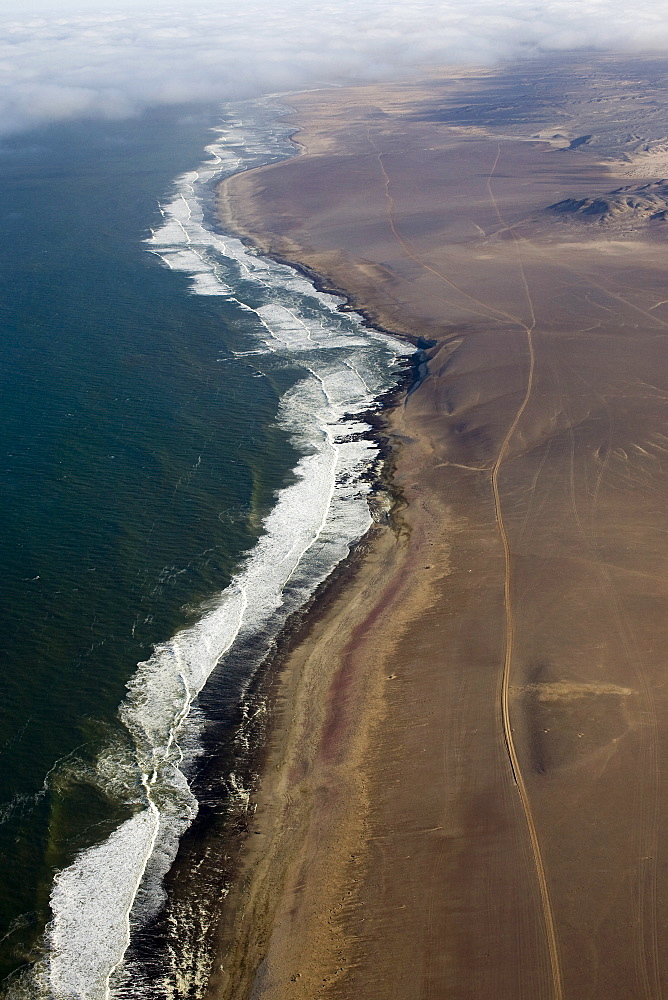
pixel 466 794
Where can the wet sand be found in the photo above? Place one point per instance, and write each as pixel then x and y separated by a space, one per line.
pixel 466 793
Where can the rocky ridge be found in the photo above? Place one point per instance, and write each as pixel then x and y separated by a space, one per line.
pixel 634 203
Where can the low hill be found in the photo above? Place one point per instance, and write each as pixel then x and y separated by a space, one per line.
pixel 636 204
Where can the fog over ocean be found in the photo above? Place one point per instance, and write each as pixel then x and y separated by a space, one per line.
pixel 89 58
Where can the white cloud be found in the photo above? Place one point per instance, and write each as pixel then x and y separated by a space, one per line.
pixel 113 63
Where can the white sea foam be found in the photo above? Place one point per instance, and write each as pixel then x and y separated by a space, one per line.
pixel 92 897
pixel 115 885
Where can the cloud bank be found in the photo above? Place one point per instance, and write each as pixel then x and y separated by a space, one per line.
pixel 115 63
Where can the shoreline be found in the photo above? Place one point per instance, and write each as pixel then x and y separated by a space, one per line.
pixel 282 680
pixel 281 675
pixel 230 223
pixel 284 673
pixel 263 864
pixel 299 691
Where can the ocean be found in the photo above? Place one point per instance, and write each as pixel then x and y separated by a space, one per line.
pixel 184 460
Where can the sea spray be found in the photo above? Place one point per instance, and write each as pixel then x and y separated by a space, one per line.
pixel 114 887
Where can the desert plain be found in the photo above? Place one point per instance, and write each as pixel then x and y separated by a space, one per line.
pixel 466 786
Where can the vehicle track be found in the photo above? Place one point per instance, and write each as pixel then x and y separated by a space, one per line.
pixel 482 308
pixel 548 916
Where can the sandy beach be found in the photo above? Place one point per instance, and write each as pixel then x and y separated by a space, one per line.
pixel 465 793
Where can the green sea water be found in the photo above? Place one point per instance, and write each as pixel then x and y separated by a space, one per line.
pixel 137 459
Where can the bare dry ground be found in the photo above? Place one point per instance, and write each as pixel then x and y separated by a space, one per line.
pixel 468 790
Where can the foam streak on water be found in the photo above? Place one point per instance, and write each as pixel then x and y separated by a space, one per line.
pixel 114 886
